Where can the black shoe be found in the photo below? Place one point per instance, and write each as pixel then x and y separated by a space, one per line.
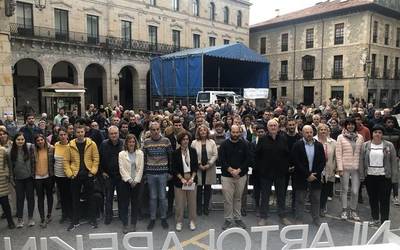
pixel 164 223
pixel 72 227
pixel 107 221
pixel 11 226
pixel 151 225
pixel 125 229
pixel 206 211
pixel 240 223
pixel 227 224
pixel 94 224
pixel 243 212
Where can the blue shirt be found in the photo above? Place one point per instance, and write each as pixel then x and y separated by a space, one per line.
pixel 310 151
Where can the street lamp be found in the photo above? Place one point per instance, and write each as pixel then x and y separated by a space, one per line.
pixel 40 4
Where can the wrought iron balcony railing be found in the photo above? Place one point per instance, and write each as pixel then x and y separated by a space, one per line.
pixel 107 42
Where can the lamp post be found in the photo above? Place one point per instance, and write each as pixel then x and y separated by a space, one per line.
pixel 40 4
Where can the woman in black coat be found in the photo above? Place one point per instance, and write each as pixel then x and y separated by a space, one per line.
pixel 184 169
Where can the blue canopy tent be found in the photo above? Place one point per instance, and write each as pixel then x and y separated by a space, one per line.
pixel 231 66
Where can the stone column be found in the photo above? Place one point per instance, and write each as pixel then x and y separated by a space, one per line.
pixel 6 80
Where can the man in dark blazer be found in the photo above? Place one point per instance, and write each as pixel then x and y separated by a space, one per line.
pixel 309 161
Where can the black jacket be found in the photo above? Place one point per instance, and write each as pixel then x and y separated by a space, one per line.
pixel 301 169
pixel 177 165
pixel 272 156
pixel 109 157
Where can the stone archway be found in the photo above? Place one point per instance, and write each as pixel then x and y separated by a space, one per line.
pixel 95 84
pixel 64 72
pixel 128 79
pixel 27 78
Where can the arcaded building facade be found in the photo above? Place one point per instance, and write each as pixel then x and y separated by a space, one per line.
pixel 106 46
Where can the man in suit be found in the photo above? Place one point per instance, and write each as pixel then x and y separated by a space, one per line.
pixel 309 161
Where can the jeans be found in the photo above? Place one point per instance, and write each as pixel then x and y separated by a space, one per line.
pixel 355 184
pixel 44 186
pixel 325 192
pixel 111 184
pixel 265 185
pixel 24 188
pixel 64 186
pixel 76 187
pixel 129 195
pixel 7 209
pixel 157 185
pixel 379 188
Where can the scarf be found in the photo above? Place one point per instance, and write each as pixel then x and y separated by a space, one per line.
pixel 352 137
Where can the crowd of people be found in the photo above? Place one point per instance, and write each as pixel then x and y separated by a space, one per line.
pixel 163 163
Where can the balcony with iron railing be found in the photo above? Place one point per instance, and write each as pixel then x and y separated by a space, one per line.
pixel 308 74
pixel 283 76
pixel 337 74
pixel 106 42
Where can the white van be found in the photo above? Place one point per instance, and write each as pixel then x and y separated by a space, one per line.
pixel 205 98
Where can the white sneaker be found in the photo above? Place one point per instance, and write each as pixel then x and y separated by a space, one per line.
pixel 192 226
pixel 178 227
pixel 20 223
pixel 396 201
pixel 31 223
pixel 344 216
pixel 329 198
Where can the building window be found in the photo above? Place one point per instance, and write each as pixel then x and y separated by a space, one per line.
pixel 387 31
pixel 263 45
pixel 93 29
pixel 211 41
pixel 212 11
pixel 398 38
pixel 153 2
pixel 239 19
pixel 226 15
pixel 375 32
pixel 284 71
pixel 153 37
pixel 175 5
pixel 283 91
pixel 339 33
pixel 226 41
pixel 196 41
pixel 196 7
pixel 308 65
pixel 337 92
pixel 61 24
pixel 337 67
pixel 126 33
pixel 309 38
pixel 24 18
pixel 385 67
pixel 374 72
pixel 176 38
pixel 396 69
pixel 284 42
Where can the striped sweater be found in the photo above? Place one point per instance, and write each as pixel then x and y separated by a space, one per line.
pixel 62 157
pixel 157 155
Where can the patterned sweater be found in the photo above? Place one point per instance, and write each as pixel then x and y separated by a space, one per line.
pixel 157 155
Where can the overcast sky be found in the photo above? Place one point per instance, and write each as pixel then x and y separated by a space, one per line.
pixel 262 10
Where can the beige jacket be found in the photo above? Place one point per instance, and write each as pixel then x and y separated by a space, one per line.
pixel 125 166
pixel 330 166
pixel 212 155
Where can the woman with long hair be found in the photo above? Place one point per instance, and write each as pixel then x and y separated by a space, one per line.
pixel 207 154
pixel 22 157
pixel 44 177
pixel 131 164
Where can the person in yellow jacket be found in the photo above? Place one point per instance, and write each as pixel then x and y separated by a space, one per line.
pixel 83 167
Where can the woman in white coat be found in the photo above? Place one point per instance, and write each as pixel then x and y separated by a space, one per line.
pixel 207 154
pixel 131 163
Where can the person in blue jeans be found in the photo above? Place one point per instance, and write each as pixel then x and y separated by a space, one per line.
pixel 157 152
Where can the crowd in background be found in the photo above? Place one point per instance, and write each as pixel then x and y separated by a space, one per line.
pixel 171 157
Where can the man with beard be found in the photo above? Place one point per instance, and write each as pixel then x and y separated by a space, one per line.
pixel 234 158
